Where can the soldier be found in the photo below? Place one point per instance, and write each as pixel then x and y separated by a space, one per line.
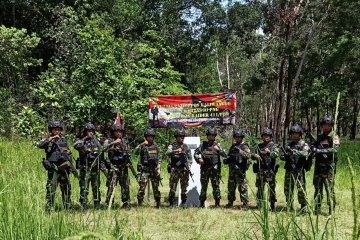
pixel 208 156
pixel 325 150
pixel 238 161
pixel 179 167
pixel 266 167
pixel 295 157
pixel 117 163
pixel 149 167
pixel 89 149
pixel 58 163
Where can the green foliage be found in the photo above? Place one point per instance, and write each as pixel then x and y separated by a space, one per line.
pixel 28 123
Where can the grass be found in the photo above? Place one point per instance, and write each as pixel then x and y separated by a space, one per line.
pixel 22 198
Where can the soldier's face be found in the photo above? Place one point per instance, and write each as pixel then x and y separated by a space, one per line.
pixel 211 137
pixel 118 134
pixel 295 136
pixel 55 131
pixel 266 138
pixel 238 139
pixel 180 139
pixel 326 128
pixel 90 132
pixel 150 139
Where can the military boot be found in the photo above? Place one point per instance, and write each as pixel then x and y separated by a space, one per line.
pixel 97 205
pixel 245 206
pixel 126 205
pixel 157 204
pixel 140 202
pixel 217 204
pixel 272 206
pixel 171 203
pixel 202 204
pixel 229 204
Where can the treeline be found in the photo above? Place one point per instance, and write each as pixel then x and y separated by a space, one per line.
pixel 81 61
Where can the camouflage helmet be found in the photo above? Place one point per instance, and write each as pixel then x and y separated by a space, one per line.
pixel 89 126
pixel 239 133
pixel 149 132
pixel 328 120
pixel 116 127
pixel 267 131
pixel 54 124
pixel 179 133
pixel 211 131
pixel 296 129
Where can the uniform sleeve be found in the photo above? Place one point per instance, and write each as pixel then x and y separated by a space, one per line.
pixel 79 144
pixel 169 151
pixel 107 144
pixel 188 155
pixel 304 152
pixel 43 143
pixel 222 152
pixel 197 153
pixel 245 153
pixel 274 153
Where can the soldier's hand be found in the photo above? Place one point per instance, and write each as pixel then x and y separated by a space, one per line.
pixel 144 143
pixel 177 151
pixel 266 150
pixel 56 137
pixel 201 161
pixel 158 172
pixel 257 156
pixel 117 141
pixel 217 148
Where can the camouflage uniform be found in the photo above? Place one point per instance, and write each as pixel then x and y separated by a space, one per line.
pixel 296 155
pixel 179 166
pixel 210 170
pixel 89 150
pixel 148 167
pixel 266 172
pixel 238 161
pixel 118 170
pixel 325 150
pixel 58 156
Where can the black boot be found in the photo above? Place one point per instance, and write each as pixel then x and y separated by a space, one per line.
pixel 272 206
pixel 97 205
pixel 229 205
pixel 126 205
pixel 245 206
pixel 140 202
pixel 157 204
pixel 171 204
pixel 202 204
pixel 217 203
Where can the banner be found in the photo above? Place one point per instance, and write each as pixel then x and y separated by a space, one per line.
pixel 192 110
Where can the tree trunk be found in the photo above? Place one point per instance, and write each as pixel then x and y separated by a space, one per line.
pixel 355 114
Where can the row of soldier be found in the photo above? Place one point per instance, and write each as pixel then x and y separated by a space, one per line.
pixel 297 155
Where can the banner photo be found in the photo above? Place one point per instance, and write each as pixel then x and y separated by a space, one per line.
pixel 192 110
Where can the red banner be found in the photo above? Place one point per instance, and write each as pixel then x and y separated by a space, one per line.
pixel 192 110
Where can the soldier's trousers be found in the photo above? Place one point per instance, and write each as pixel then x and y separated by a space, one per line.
pixel 320 182
pixel 237 178
pixel 176 175
pixel 86 177
pixel 214 176
pixel 145 177
pixel 263 177
pixel 55 178
pixel 120 176
pixel 293 178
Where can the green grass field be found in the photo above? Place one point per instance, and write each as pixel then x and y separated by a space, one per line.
pixel 22 199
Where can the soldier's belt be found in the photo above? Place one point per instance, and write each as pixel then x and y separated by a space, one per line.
pixel 63 166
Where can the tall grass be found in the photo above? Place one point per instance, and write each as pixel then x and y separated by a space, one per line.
pixel 22 202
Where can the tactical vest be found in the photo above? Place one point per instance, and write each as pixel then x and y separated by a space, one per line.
pixel 179 160
pixel 235 158
pixel 324 142
pixel 118 153
pixel 58 152
pixel 149 155
pixel 293 162
pixel 209 154
pixel 91 150
pixel 268 162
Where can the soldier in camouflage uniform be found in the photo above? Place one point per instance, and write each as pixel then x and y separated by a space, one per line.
pixel 149 167
pixel 179 167
pixel 238 161
pixel 118 149
pixel 58 163
pixel 89 149
pixel 208 156
pixel 266 167
pixel 295 156
pixel 325 150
